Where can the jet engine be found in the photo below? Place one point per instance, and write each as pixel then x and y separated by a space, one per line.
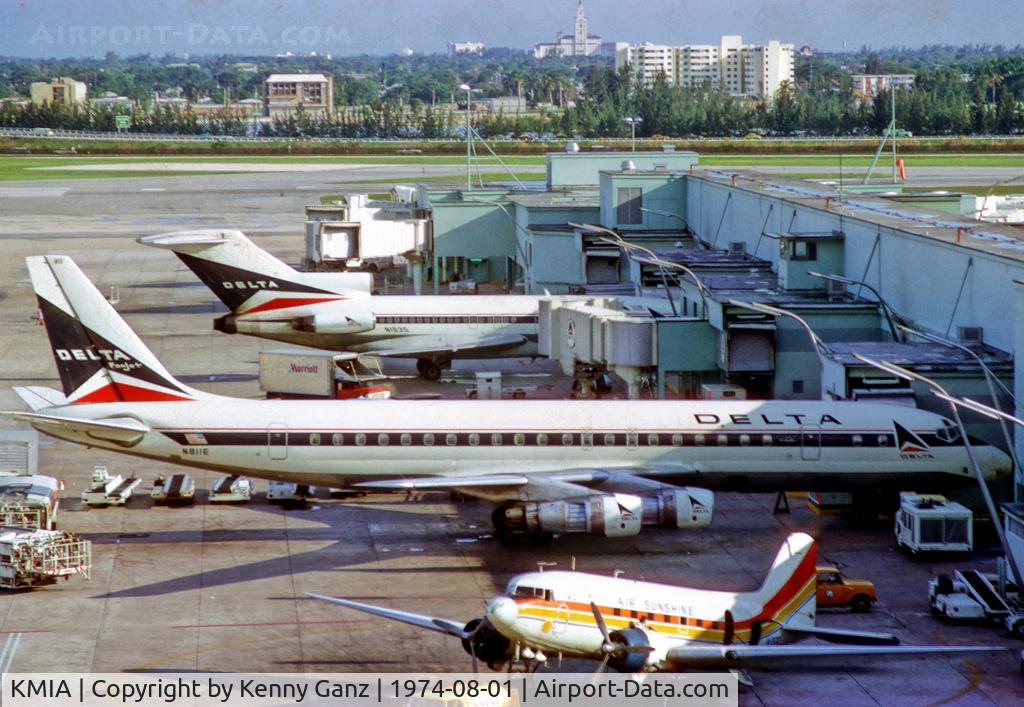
pixel 336 323
pixel 486 643
pixel 612 516
pixel 679 508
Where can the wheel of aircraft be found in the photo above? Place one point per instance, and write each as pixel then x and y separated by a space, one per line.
pixel 428 369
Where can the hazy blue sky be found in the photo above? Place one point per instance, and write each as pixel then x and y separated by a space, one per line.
pixel 92 27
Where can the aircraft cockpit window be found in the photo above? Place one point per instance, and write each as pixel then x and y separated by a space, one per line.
pixel 948 433
pixel 526 592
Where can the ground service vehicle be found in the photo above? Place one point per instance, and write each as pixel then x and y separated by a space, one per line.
pixel 836 590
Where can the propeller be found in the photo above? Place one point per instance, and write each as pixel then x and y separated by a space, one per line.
pixel 730 628
pixel 610 647
pixel 470 638
pixel 755 633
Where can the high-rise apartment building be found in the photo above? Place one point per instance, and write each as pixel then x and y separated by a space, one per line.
pixel 741 70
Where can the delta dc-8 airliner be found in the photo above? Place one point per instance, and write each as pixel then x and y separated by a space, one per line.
pixel 607 468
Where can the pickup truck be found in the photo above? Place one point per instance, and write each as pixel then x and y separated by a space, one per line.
pixel 835 590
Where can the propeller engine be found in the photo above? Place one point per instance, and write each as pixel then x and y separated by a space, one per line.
pixel 483 642
pixel 626 651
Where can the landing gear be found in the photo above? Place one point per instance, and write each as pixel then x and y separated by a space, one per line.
pixel 431 368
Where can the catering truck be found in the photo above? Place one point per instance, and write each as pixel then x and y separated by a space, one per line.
pixel 319 374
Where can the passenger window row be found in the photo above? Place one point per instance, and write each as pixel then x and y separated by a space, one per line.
pixel 589 439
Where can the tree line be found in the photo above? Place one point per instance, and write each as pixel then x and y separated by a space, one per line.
pixel 419 98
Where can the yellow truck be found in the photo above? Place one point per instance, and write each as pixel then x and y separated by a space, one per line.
pixel 835 590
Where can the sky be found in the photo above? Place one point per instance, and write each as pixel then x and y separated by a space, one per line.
pixel 71 28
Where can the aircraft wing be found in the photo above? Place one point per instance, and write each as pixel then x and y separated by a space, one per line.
pixel 838 635
pixel 550 486
pixel 483 344
pixel 125 431
pixel 767 656
pixel 452 628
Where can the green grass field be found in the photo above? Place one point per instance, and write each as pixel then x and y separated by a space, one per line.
pixel 18 167
pixel 21 167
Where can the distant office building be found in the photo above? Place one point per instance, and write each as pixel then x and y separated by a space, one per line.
pixel 59 90
pixel 579 43
pixel 741 70
pixel 456 48
pixel 870 85
pixel 284 93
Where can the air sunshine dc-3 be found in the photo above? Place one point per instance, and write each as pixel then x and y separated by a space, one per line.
pixel 605 468
pixel 633 626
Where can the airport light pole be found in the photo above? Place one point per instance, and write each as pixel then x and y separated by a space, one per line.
pixel 469 134
pixel 652 259
pixel 954 406
pixel 669 214
pixel 632 121
pixel 820 345
pixel 990 379
pixel 890 314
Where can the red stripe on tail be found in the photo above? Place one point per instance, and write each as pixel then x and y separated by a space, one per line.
pixel 121 392
pixel 285 303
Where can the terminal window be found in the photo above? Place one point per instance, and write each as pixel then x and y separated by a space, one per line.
pixel 628 202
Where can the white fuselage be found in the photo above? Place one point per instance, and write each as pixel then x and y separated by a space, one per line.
pixel 741 444
pixel 552 611
pixel 424 322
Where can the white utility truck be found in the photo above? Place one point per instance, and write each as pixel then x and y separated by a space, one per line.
pixel 932 523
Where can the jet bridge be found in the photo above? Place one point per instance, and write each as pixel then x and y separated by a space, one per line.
pixel 619 335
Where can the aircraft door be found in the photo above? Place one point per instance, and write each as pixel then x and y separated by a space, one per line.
pixel 561 618
pixel 277 441
pixel 810 442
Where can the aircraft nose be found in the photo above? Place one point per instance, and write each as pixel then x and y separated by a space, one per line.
pixel 502 612
pixel 994 462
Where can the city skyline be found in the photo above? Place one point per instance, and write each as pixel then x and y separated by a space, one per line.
pixel 69 28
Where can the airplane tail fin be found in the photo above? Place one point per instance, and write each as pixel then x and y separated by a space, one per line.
pixel 99 358
pixel 787 595
pixel 248 279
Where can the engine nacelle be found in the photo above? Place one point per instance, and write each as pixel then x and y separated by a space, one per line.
pixel 626 662
pixel 679 508
pixel 486 643
pixel 336 323
pixel 610 516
